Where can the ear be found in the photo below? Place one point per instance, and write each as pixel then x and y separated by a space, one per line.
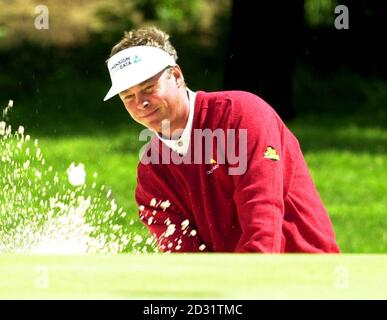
pixel 178 75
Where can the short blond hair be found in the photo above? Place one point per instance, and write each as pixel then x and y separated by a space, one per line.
pixel 146 36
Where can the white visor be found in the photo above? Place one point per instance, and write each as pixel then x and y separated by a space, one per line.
pixel 134 65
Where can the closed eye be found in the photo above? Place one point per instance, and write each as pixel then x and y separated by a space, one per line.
pixel 129 97
pixel 149 89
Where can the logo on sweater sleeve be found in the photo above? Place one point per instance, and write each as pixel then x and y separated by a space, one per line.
pixel 271 154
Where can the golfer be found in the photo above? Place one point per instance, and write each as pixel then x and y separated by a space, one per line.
pixel 248 189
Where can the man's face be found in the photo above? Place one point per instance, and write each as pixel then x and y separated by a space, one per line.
pixel 155 99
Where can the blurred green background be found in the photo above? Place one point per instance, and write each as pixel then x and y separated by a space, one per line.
pixel 58 78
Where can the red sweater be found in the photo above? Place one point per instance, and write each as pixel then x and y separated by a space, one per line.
pixel 272 207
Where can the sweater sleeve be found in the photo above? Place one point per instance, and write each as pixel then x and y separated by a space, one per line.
pixel 259 190
pixel 164 218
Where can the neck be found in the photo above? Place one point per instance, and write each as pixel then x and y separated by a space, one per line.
pixel 177 127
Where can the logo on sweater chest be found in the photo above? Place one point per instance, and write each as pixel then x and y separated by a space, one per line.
pixel 216 166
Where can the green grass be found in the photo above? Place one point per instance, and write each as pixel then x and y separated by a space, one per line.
pixel 349 167
pixel 193 276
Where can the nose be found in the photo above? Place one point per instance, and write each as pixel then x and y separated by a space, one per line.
pixel 142 103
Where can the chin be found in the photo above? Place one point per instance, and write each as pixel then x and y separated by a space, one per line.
pixel 153 127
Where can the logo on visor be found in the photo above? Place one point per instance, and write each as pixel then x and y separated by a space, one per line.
pixel 127 61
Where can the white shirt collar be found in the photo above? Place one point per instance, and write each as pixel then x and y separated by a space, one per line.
pixel 181 145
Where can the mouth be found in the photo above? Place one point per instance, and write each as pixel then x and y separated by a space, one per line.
pixel 149 114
